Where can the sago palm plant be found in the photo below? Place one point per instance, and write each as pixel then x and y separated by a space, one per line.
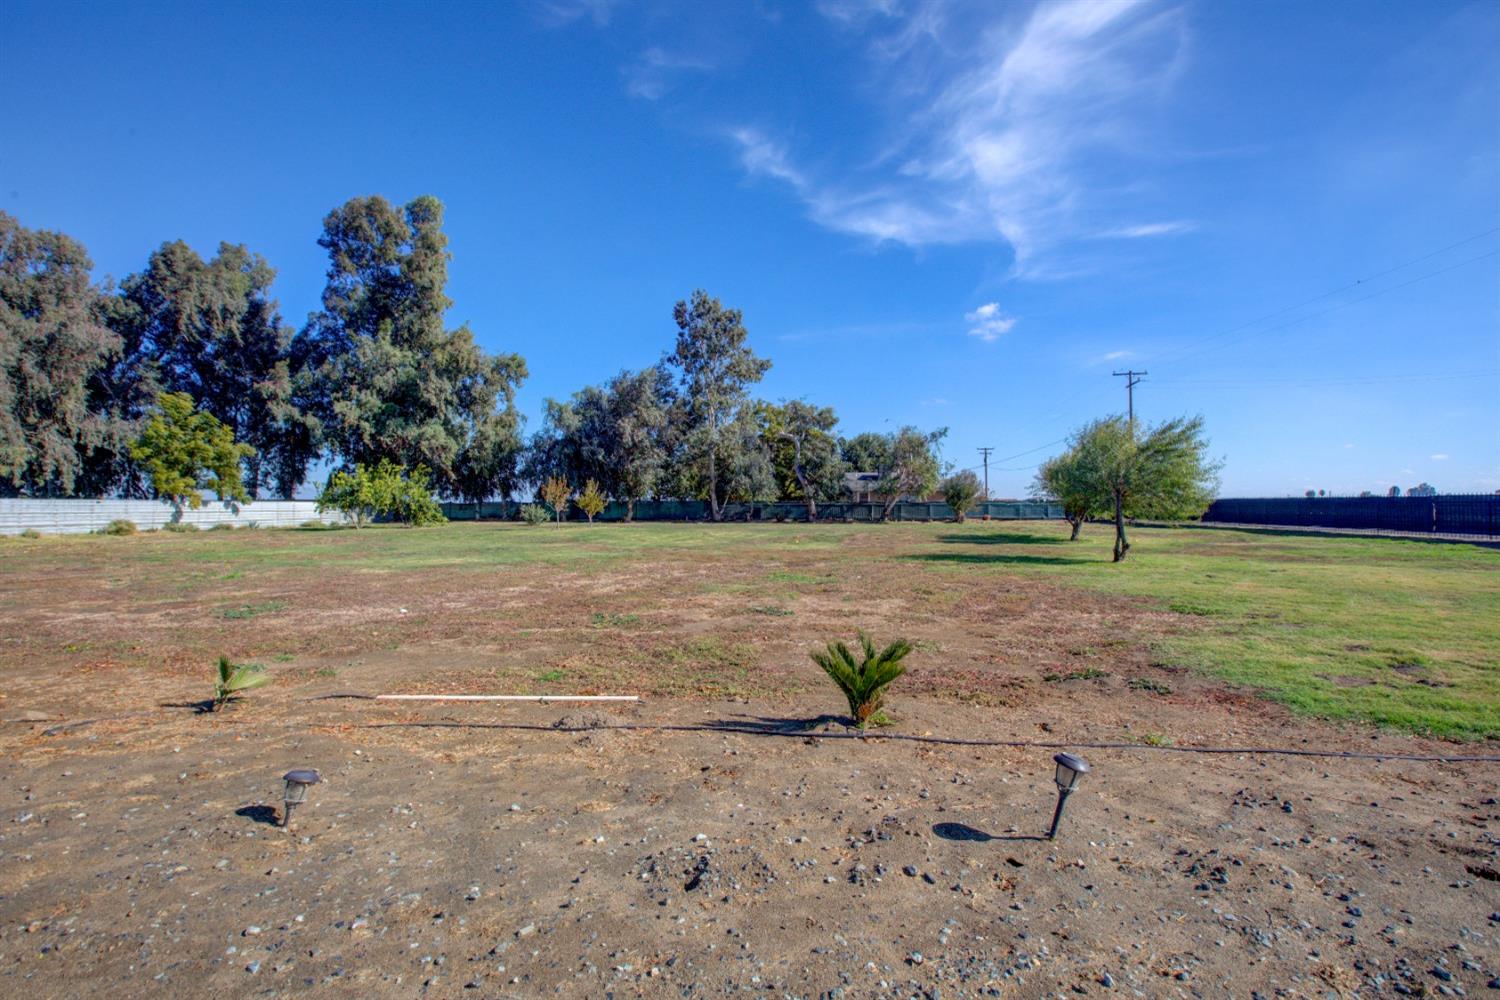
pixel 863 682
pixel 233 679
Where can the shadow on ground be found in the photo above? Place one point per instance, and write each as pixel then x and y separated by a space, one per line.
pixel 258 814
pixel 1002 538
pixel 963 831
pixel 771 726
pixel 995 559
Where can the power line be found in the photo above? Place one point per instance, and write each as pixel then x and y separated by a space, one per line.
pixel 1344 288
pixel 1332 309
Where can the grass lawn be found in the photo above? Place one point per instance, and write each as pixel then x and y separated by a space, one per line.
pixel 1398 632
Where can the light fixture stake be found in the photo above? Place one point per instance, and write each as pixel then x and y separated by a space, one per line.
pixel 297 783
pixel 1070 768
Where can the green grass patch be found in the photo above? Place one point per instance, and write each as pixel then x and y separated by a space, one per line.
pixel 1399 632
pixel 602 620
pixel 253 610
pixel 1075 675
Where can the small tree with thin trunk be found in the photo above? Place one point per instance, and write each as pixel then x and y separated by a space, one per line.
pixel 185 451
pixel 591 501
pixel 1068 479
pixel 556 491
pixel 1162 473
pixel 961 492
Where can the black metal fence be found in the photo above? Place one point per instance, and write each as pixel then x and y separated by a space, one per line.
pixel 1445 514
pixel 697 510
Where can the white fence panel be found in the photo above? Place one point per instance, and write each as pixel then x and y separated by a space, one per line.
pixel 72 517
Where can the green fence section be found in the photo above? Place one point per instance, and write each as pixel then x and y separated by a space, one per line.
pixel 697 510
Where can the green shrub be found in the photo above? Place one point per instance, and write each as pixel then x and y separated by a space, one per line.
pixel 222 526
pixel 119 526
pixel 179 526
pixel 31 533
pixel 863 682
pixel 385 489
pixel 534 513
pixel 236 678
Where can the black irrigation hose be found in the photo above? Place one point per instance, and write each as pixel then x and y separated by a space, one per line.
pixel 941 740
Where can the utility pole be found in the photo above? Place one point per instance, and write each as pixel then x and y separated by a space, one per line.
pixel 1132 378
pixel 986 453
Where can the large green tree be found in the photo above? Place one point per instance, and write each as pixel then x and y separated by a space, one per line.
pixel 715 368
pixel 214 332
pixel 52 342
pixel 804 451
pixel 384 375
pixel 912 467
pixel 1163 472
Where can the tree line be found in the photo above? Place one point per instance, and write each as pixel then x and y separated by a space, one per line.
pixel 185 373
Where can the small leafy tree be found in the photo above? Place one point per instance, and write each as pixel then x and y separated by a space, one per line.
pixel 234 679
pixel 353 494
pixel 863 682
pixel 1069 479
pixel 411 499
pixel 384 489
pixel 555 492
pixel 184 451
pixel 1164 472
pixel 961 491
pixel 534 513
pixel 591 501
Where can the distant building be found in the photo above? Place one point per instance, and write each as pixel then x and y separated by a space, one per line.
pixel 861 486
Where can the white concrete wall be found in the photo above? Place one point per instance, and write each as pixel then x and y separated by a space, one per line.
pixel 71 517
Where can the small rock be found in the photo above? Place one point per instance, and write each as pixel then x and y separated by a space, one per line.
pixel 915 958
pixel 253 967
pixel 251 931
pixel 526 931
pixel 910 871
pixel 1107 981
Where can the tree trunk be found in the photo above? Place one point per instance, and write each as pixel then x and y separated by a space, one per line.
pixel 1122 545
pixel 885 512
pixel 1077 523
pixel 812 508
pixel 714 513
pixel 629 509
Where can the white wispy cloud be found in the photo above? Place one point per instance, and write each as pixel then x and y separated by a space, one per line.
pixel 1115 355
pixel 1439 457
pixel 654 72
pixel 1148 230
pixel 556 13
pixel 998 132
pixel 988 323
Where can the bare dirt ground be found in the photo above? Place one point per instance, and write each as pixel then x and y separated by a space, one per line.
pixel 717 838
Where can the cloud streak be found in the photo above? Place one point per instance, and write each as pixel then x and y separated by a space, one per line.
pixel 1005 132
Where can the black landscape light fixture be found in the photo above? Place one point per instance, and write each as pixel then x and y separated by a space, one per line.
pixel 1070 770
pixel 297 784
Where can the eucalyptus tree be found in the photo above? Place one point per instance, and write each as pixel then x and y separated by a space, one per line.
pixel 714 367
pixel 385 377
pixel 214 332
pixel 804 451
pixel 867 452
pixel 52 341
pixel 912 467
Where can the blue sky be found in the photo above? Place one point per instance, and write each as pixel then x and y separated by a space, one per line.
pixel 940 214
